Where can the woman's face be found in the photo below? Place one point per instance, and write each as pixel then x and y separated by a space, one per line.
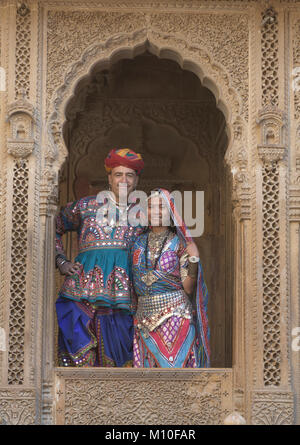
pixel 158 212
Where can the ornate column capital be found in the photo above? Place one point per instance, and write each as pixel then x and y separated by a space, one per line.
pixel 270 154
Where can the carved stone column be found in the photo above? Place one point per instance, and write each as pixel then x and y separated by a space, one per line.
pixel 237 160
pixel 3 332
pixel 20 145
pixel 293 22
pixel 47 214
pixel 272 399
pixel 274 403
pixel 18 392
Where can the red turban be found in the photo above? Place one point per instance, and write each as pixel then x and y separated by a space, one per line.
pixel 124 157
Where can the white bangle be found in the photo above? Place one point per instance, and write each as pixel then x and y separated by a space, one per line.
pixel 194 259
pixel 61 261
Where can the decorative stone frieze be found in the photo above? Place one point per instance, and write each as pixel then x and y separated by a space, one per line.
pixel 156 397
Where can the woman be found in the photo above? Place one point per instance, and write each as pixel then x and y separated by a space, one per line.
pixel 166 270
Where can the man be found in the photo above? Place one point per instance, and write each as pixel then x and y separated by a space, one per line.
pixel 94 306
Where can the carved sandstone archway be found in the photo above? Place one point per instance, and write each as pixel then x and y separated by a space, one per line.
pixel 214 77
pixel 189 57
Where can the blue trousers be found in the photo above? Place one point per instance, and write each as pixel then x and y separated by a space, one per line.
pixel 93 336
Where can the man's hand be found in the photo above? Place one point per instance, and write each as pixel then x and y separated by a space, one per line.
pixel 69 268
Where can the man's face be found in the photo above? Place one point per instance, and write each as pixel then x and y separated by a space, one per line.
pixel 121 177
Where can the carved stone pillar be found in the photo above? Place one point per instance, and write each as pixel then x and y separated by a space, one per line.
pixel 274 403
pixel 272 399
pixel 237 160
pixel 293 21
pixel 3 332
pixel 18 392
pixel 47 214
pixel 20 145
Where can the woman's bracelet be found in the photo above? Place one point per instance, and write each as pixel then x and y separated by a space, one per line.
pixel 192 270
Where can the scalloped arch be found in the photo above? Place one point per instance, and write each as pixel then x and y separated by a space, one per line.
pixel 127 46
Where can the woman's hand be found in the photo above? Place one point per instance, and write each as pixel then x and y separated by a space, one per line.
pixel 192 249
pixel 190 281
pixel 69 268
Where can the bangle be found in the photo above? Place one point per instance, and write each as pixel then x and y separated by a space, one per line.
pixel 194 259
pixel 60 263
pixel 193 270
pixel 60 260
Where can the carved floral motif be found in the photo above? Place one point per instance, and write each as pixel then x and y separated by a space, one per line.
pixel 224 37
pixel 17 407
pixel 273 408
pixel 156 398
pixel 68 39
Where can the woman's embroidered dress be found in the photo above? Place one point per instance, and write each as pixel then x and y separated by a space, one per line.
pixel 166 328
pixel 94 306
